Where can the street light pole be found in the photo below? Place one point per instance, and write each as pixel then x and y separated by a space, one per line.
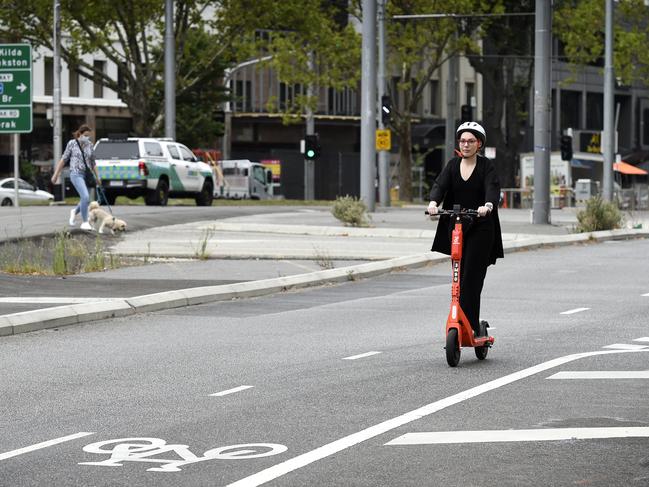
pixel 56 95
pixel 542 86
pixel 228 73
pixel 384 156
pixel 609 129
pixel 170 72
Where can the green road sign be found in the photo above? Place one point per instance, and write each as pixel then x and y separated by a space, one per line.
pixel 15 88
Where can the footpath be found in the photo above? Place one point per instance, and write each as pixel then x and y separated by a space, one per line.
pixel 247 256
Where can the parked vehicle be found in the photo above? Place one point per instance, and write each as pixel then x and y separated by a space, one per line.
pixel 157 169
pixel 27 193
pixel 245 179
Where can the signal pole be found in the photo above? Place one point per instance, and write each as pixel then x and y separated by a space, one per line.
pixel 384 156
pixel 609 127
pixel 368 105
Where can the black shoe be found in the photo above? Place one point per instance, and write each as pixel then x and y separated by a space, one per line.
pixel 483 328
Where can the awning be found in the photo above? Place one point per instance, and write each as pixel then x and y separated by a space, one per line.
pixel 626 168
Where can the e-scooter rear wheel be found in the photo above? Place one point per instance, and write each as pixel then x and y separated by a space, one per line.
pixel 452 348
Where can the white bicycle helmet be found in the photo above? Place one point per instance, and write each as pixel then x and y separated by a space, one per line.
pixel 475 128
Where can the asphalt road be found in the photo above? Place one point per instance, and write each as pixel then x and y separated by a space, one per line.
pixel 293 378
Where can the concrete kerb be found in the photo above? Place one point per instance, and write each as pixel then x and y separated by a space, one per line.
pixel 71 314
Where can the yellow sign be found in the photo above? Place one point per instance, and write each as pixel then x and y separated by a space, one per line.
pixel 383 139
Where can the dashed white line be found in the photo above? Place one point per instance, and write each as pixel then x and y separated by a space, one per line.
pixel 498 436
pixel 231 391
pixel 307 458
pixel 362 355
pixel 602 374
pixel 44 444
pixel 573 311
pixel 646 294
pixel 641 339
pixel 625 346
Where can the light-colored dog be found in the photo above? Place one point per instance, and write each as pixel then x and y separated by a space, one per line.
pixel 100 220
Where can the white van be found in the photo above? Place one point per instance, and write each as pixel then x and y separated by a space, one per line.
pixel 245 179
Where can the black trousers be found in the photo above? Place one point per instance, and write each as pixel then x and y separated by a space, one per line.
pixel 476 251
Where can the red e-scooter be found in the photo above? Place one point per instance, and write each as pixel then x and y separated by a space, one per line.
pixel 458 328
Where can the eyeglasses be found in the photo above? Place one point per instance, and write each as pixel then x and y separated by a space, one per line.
pixel 467 141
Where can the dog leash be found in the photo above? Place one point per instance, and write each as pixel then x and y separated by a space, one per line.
pixel 99 188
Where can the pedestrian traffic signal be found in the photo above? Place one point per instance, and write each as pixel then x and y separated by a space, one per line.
pixel 467 113
pixel 311 147
pixel 566 147
pixel 386 110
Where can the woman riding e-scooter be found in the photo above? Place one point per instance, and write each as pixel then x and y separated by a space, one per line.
pixel 471 182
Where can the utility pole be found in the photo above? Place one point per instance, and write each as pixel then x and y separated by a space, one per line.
pixel 170 71
pixel 368 105
pixel 384 156
pixel 542 139
pixel 56 96
pixel 609 128
pixel 309 164
pixel 451 105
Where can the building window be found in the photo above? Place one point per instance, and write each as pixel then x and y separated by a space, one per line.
pixel 434 97
pixel 49 76
pixel 121 78
pixel 243 96
pixel 73 86
pixel 98 88
pixel 645 126
pixel 595 112
pixel 287 94
pixel 469 93
pixel 570 109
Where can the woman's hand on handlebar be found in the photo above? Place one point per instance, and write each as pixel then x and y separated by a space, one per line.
pixel 432 209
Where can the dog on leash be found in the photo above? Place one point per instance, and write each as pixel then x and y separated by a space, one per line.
pixel 100 220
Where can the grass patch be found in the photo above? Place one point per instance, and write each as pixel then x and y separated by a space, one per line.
pixel 599 215
pixel 125 201
pixel 63 254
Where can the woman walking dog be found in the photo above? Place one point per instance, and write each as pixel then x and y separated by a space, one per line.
pixel 81 157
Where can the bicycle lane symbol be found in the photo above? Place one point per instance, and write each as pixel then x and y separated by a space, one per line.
pixel 143 449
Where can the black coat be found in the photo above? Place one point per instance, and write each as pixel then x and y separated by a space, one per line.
pixel 443 191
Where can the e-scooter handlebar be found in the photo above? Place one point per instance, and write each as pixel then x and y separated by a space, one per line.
pixel 456 211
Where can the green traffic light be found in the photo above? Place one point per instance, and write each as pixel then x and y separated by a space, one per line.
pixel 310 153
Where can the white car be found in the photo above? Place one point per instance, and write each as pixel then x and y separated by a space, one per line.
pixel 27 194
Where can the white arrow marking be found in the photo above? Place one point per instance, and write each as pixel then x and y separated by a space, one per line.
pixel 231 391
pixel 44 444
pixel 602 374
pixel 498 436
pixel 21 87
pixel 573 311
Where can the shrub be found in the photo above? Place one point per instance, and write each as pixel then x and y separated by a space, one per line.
pixel 351 211
pixel 599 215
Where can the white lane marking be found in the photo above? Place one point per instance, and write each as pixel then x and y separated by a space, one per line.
pixel 602 374
pixel 498 436
pixel 642 339
pixel 44 444
pixel 625 346
pixel 341 444
pixel 53 300
pixel 362 355
pixel 231 391
pixel 646 294
pixel 573 311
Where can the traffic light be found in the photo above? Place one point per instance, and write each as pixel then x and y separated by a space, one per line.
pixel 467 113
pixel 386 110
pixel 311 147
pixel 566 147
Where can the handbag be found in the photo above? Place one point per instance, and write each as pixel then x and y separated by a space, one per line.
pixel 88 175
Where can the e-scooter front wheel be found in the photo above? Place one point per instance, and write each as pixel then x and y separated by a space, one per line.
pixel 452 348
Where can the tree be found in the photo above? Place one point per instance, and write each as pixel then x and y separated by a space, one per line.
pixel 579 25
pixel 292 33
pixel 507 68
pixel 417 49
pixel 129 33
